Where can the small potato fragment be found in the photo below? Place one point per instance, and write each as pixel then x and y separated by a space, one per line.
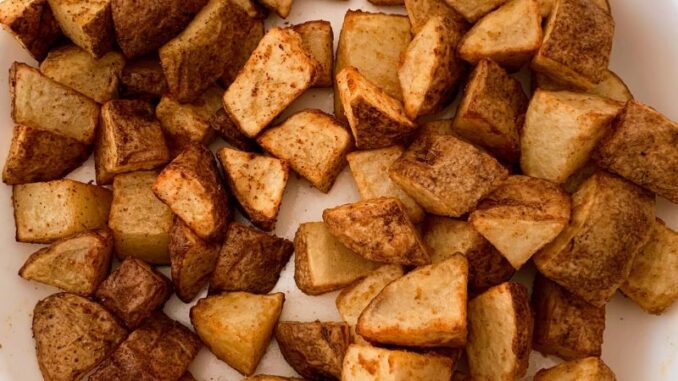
pixel 87 23
pixel 281 7
pixel 32 23
pixel 378 230
pixel 243 50
pixel 224 127
pixel 612 86
pixel 237 326
pixel 143 79
pixel 367 363
pixel 420 11
pixel 473 10
pixel 318 39
pixel 72 335
pixel 314 349
pixel 45 212
pixel 588 369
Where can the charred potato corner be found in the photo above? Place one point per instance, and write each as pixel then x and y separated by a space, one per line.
pixel 206 143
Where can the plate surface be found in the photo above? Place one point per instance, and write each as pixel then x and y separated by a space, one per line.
pixel 637 346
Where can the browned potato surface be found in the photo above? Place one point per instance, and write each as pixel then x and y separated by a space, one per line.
pixel 32 23
pixel 473 10
pixel 611 86
pixel 224 126
pixel 243 50
pixel 318 39
pixel 364 362
pixel 87 23
pixel 143 78
pixel 588 369
pixel 420 11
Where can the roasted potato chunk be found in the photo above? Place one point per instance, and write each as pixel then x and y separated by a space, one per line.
pixel 473 10
pixel 243 50
pixel 250 261
pixel 588 369
pixel 72 335
pixel 379 230
pixel 32 23
pixel 314 349
pixel 642 148
pixel 318 40
pixel 281 7
pixel 237 326
pixel 224 127
pixel 367 363
pixel 420 11
pixel 611 221
pixel 322 263
pixel 87 23
pixel 313 143
pixel 445 175
pixel 611 86
pixel 143 79
pixel 46 212
pixel 500 333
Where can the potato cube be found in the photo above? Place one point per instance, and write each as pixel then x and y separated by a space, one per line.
pixel 473 10
pixel 313 143
pixel 243 51
pixel 612 86
pixel 577 44
pixel 491 111
pixel 588 369
pixel 500 333
pixel 318 40
pixel 420 11
pixel 237 326
pixel 367 363
pixel 611 221
pixel 322 263
pixel 561 130
pixel 42 103
pixel 250 261
pixel 258 182
pixel 32 23
pixel 642 148
pixel 144 79
pixel 87 23
pixel 45 212
pixel 446 175
pixel 378 230
pixel 281 7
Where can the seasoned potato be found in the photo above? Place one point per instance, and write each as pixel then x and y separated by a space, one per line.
pixel 561 130
pixel 253 100
pixel 367 363
pixel 281 7
pixel 144 79
pixel 87 23
pixel 72 335
pixel 500 333
pixel 313 142
pixel 611 86
pixel 588 369
pixel 160 349
pixel 322 263
pixel 491 111
pixel 642 148
pixel 42 103
pixel 577 179
pixel 379 230
pixel 577 44
pixel 224 127
pixel 420 11
pixel 314 349
pixel 401 314
pixel 258 183
pixel 133 291
pixel 32 23
pixel 237 326
pixel 97 78
pixel 193 260
pixel 318 39
pixel 40 155
pixel 473 10
pixel 191 186
pixel 250 261
pixel 46 212
pixel 652 283
pixel 243 50
pixel 446 175
pixel 611 221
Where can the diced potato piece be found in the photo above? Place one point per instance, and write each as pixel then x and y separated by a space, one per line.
pixel 140 222
pixel 45 212
pixel 577 44
pixel 420 11
pixel 42 103
pixel 253 100
pixel 237 326
pixel 250 261
pixel 133 291
pixel 473 10
pixel 379 230
pixel 191 186
pixel 313 143
pixel 318 40
pixel 500 333
pixel 258 182
pixel 491 111
pixel 642 148
pixel 243 51
pixel 611 221
pixel 281 7
pixel 367 363
pixel 224 127
pixel 404 314
pixel 144 79
pixel 32 23
pixel 87 23
pixel 322 263
pixel 588 369
pixel 561 130
pixel 446 175
pixel 612 86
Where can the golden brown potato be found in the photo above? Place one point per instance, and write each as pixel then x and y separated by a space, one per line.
pixel 367 363
pixel 250 261
pixel 491 111
pixel 32 23
pixel 161 349
pixel 420 11
pixel 281 7
pixel 473 10
pixel 611 221
pixel 378 230
pixel 611 86
pixel 500 333
pixel 313 142
pixel 87 23
pixel 243 50
pixel 237 326
pixel 72 335
pixel 144 79
pixel 588 369
pixel 322 263
pixel 46 212
pixel 133 291
pixel 577 44
pixel 446 175
pixel 642 149
pixel 191 186
pixel 314 349
pixel 224 127
pixel 318 39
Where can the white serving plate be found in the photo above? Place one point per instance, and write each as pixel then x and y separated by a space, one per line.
pixel 638 346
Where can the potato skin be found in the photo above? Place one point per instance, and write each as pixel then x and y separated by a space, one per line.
pixel 32 23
